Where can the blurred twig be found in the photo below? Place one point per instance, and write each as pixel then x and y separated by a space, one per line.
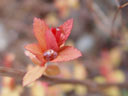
pixel 100 18
pixel 116 14
pixel 91 85
pixel 18 74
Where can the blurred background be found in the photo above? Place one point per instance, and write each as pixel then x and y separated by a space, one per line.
pixel 99 31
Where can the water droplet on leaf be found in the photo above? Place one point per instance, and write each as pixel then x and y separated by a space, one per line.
pixel 50 55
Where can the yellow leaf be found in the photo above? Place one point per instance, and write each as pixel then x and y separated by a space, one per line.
pixel 66 87
pixel 5 91
pixel 116 77
pixel 79 71
pixel 115 56
pixel 33 74
pixel 52 19
pixel 100 79
pixel 52 70
pixel 112 91
pixel 38 89
pixel 80 90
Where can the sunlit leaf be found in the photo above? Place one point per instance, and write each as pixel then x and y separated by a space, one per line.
pixel 33 74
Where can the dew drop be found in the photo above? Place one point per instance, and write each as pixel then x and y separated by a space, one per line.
pixel 50 55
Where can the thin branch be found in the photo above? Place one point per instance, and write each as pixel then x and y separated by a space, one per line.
pixel 101 20
pixel 10 72
pixel 18 74
pixel 91 85
pixel 116 14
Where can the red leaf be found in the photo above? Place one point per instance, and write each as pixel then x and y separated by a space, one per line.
pixel 34 49
pixel 34 58
pixel 51 41
pixel 33 74
pixel 66 27
pixel 40 28
pixel 67 53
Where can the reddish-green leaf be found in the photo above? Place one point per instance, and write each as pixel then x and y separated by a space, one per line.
pixel 67 53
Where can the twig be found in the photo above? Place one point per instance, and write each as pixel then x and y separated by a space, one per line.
pixel 18 74
pixel 116 14
pixel 91 85
pixel 5 71
pixel 101 20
